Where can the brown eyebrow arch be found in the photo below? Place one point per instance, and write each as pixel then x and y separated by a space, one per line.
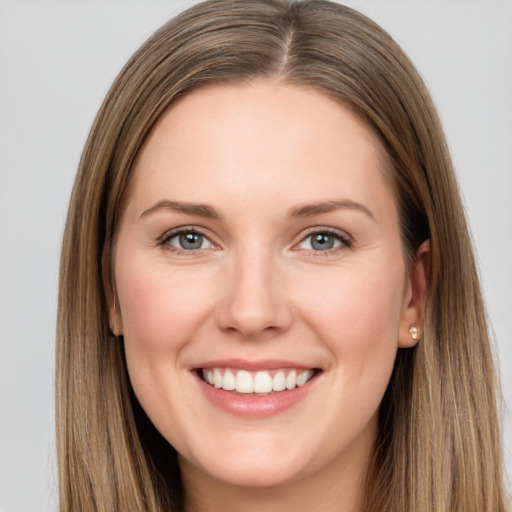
pixel 201 210
pixel 310 210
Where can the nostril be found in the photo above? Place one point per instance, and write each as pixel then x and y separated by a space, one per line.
pixel 254 317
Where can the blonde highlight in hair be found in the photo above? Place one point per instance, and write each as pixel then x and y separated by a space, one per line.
pixel 438 447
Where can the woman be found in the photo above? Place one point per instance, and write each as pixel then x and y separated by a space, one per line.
pixel 268 293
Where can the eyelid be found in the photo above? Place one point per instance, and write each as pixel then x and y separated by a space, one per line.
pixel 171 233
pixel 346 240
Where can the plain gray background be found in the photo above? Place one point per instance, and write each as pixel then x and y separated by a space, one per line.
pixel 57 59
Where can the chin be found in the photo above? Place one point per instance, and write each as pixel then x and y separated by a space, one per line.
pixel 248 473
pixel 264 463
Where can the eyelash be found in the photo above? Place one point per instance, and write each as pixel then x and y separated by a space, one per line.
pixel 164 241
pixel 345 241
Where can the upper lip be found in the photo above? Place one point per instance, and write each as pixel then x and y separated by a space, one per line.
pixel 252 365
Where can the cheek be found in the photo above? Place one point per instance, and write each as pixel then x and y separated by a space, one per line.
pixel 162 310
pixel 356 312
pixel 160 307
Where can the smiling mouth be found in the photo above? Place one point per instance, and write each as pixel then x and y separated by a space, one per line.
pixel 261 383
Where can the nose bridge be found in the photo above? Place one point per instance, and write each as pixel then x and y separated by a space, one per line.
pixel 254 302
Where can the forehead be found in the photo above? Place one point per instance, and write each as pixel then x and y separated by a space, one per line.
pixel 238 140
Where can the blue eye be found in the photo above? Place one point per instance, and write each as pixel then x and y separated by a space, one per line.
pixel 188 240
pixel 323 241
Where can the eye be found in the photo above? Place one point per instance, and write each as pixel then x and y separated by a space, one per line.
pixel 187 240
pixel 321 241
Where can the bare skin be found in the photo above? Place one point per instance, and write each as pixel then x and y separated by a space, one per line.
pixel 260 230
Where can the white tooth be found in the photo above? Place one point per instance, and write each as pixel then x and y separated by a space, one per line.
pixel 244 382
pixel 204 374
pixel 217 378
pixel 279 381
pixel 210 377
pixel 291 380
pixel 229 381
pixel 304 377
pixel 262 383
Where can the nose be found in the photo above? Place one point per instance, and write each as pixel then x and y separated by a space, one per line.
pixel 254 302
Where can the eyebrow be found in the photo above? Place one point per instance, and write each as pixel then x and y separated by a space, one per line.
pixel 201 210
pixel 309 210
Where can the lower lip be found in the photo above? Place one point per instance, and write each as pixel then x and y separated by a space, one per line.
pixel 254 406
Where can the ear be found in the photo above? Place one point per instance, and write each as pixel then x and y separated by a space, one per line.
pixel 414 298
pixel 114 314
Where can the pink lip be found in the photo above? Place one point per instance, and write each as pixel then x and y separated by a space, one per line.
pixel 253 406
pixel 242 364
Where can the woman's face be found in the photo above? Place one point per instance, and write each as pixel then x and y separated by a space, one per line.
pixel 259 248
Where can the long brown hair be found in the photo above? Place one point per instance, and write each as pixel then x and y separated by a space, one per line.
pixel 438 447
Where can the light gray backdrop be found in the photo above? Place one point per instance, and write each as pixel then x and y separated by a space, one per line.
pixel 57 59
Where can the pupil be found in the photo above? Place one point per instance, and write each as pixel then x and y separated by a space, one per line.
pixel 191 241
pixel 322 242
